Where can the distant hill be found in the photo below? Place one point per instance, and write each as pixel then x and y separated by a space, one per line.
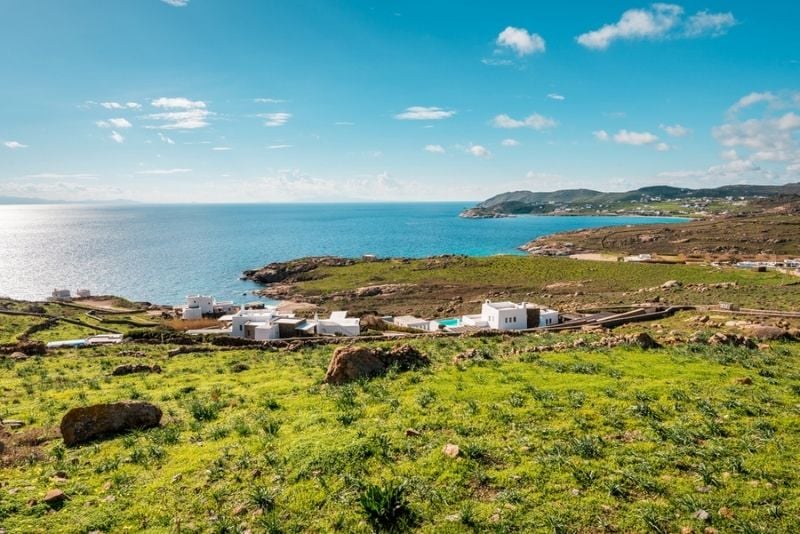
pixel 527 202
pixel 25 200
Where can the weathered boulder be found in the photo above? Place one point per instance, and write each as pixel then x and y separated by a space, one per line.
pixel 761 331
pixel 351 363
pixel 18 356
pixel 54 497
pixel 643 340
pixel 83 424
pixel 671 284
pixel 131 368
pixel 451 450
pixel 722 338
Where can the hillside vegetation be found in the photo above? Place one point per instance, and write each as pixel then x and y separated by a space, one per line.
pixel 584 440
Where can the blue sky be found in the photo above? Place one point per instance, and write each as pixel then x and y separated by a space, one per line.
pixel 305 100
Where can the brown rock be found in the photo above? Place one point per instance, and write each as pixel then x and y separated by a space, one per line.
pixel 725 512
pixel 351 363
pixel 451 450
pixel 643 340
pixel 744 381
pixel 19 356
pixel 83 424
pixel 765 332
pixel 469 355
pixel 55 497
pixel 412 432
pixel 130 368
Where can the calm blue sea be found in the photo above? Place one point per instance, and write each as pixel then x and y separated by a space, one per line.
pixel 161 253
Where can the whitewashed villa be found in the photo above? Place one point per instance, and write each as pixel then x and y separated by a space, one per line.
pixel 199 306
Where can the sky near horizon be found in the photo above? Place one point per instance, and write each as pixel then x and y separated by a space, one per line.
pixel 309 100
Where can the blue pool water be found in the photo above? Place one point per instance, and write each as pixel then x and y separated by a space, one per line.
pixel 160 253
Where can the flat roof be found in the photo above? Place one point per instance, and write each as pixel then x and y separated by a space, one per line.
pixel 505 305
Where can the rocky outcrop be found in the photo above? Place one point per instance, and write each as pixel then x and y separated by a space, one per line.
pixel 131 368
pixel 351 363
pixel 294 270
pixel 84 424
pixel 482 213
pixel 471 355
pixel 766 332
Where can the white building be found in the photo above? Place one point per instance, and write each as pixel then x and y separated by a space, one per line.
pixel 260 325
pixel 339 324
pixel 511 316
pixel 199 306
pixel 415 323
pixel 83 293
pixel 61 294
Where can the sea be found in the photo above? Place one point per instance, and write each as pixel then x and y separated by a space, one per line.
pixel 161 253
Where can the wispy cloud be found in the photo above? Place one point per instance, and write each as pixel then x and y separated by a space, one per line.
pixel 269 100
pixel 221 148
pixel 479 151
pixel 422 113
pixel 183 114
pixel 601 135
pixel 751 99
pixel 520 41
pixel 165 139
pixel 14 145
pixel 510 142
pixel 165 171
pixel 59 176
pixel 434 149
pixel 556 96
pixel 275 119
pixel 278 147
pixel 344 123
pixel 676 130
pixel 176 3
pixel 626 137
pixel 659 21
pixel 117 105
pixel 114 123
pixel 117 137
pixel 535 121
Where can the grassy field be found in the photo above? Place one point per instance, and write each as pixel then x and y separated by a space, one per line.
pixel 581 441
pixel 559 282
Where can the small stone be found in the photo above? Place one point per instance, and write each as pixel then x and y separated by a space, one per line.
pixel 453 517
pixel 710 530
pixel 60 474
pixel 451 450
pixel 494 518
pixel 687 530
pixel 744 381
pixel 725 512
pixel 575 492
pixel 54 497
pixel 13 423
pixel 109 498
pixel 412 432
pixel 239 510
pixel 704 489
pixel 108 485
pixel 177 478
pixel 702 515
pixel 256 473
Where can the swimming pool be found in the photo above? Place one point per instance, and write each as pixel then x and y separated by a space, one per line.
pixel 450 322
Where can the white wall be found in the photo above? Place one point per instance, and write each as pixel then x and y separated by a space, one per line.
pixel 506 318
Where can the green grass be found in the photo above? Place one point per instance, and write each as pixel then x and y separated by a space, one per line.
pixel 551 442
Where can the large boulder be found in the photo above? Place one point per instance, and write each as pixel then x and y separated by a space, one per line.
pixel 761 331
pixel 643 340
pixel 83 424
pixel 351 363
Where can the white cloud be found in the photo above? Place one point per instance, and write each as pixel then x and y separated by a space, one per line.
pixel 165 139
pixel 179 102
pixel 662 147
pixel 495 62
pixel 729 154
pixel 520 41
pixel 626 137
pixel 14 145
pixel 177 3
pixel 705 23
pixel 344 123
pixel 676 130
pixel 59 176
pixel 275 119
pixel 659 21
pixel 165 171
pixel 278 147
pixel 116 137
pixel 221 148
pixel 114 123
pixel 600 135
pixel 269 101
pixel 190 119
pixel 422 113
pixel 509 142
pixel 479 151
pixel 535 121
pixel 556 96
pixel 751 99
pixel 117 105
pixel 435 149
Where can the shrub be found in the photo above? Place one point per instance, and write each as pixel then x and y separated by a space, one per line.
pixel 387 508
